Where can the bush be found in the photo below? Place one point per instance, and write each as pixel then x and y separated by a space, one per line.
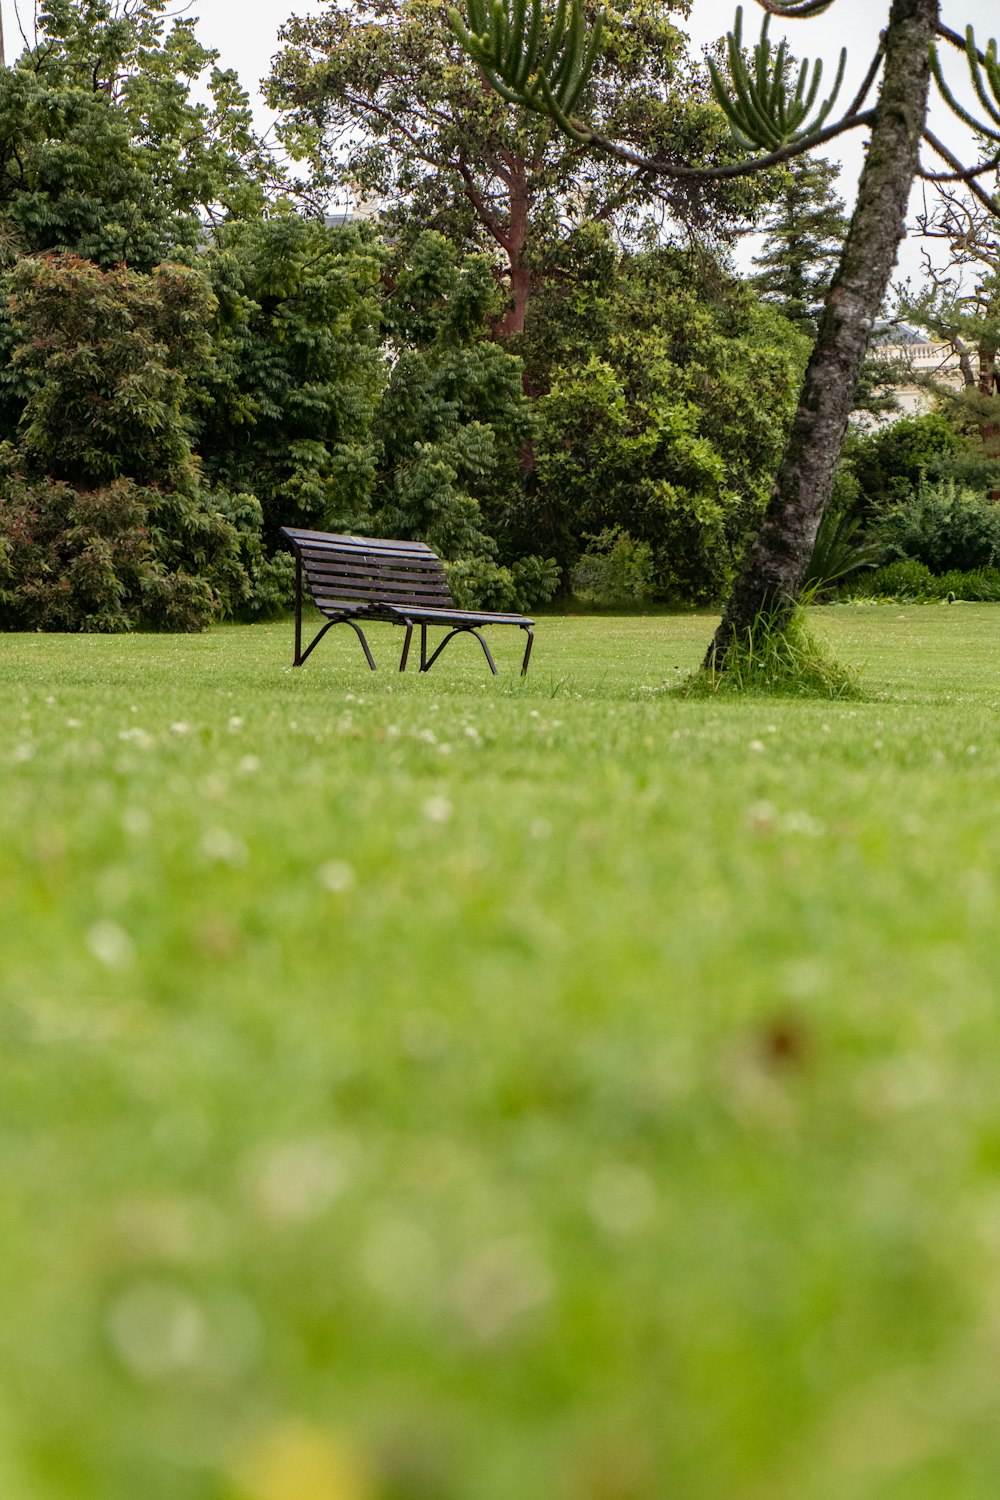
pixel 121 557
pixel 479 583
pixel 615 571
pixel 914 583
pixel 906 581
pixel 943 526
pixel 980 585
pixel 890 463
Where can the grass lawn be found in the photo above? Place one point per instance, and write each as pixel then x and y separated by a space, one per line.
pixel 446 1088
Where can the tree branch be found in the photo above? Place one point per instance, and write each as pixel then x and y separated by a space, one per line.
pixel 956 165
pixel 739 169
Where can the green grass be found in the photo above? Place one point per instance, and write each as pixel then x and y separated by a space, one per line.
pixel 453 1089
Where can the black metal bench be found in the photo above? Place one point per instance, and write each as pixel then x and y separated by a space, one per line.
pixel 353 578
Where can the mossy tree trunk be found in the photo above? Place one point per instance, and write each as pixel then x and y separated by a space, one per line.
pixel 776 564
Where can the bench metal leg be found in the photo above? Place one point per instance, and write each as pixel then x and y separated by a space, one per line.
pixel 426 665
pixel 527 647
pixel 297 660
pixel 364 644
pixel 406 646
pixel 300 656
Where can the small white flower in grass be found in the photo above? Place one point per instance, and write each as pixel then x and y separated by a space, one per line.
pixel 756 745
pixel 180 727
pixel 762 817
pixel 223 847
pixel 110 945
pixel 295 1181
pixel 499 1286
pixel 444 749
pixel 336 875
pixel 972 750
pixel 438 809
pixel 137 736
pixel 472 733
pixel 803 822
pixel 249 765
pixel 136 821
pixel 392 733
pixel 21 754
pixel 73 723
pixel 50 699
pixel 157 1330
pixel 235 724
pixel 621 1198
pixel 427 735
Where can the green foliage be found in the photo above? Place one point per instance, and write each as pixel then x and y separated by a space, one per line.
pixel 984 73
pixel 907 580
pixel 107 522
pixel 105 358
pixel 804 235
pixel 379 99
pixel 889 463
pixel 453 416
pixel 614 571
pixel 838 552
pixel 666 391
pixel 912 582
pixel 109 559
pixel 541 67
pixel 944 527
pixel 105 154
pixel 762 110
pixel 480 583
pixel 285 408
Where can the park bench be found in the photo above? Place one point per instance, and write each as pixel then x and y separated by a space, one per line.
pixel 355 578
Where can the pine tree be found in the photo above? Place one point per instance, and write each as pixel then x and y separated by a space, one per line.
pixel 804 237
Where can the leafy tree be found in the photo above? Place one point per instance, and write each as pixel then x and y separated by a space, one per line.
pixel 805 232
pixel 285 409
pixel 104 520
pixel 890 463
pixel 378 96
pixel 778 115
pixel 666 389
pixel 102 151
pixel 105 358
pixel 452 423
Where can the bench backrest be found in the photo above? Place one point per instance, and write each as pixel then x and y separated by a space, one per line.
pixel 369 570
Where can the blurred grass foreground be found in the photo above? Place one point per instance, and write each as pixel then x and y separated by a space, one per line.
pixel 454 1089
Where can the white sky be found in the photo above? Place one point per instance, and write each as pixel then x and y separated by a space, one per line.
pixel 245 34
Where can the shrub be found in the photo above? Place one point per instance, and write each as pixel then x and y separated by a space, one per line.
pixel 890 463
pixel 479 583
pixel 943 526
pixel 981 585
pixel 615 570
pixel 907 581
pixel 121 557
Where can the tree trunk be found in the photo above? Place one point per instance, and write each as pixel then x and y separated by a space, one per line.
pixel 776 564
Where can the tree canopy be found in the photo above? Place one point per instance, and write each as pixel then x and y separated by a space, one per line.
pixel 380 99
